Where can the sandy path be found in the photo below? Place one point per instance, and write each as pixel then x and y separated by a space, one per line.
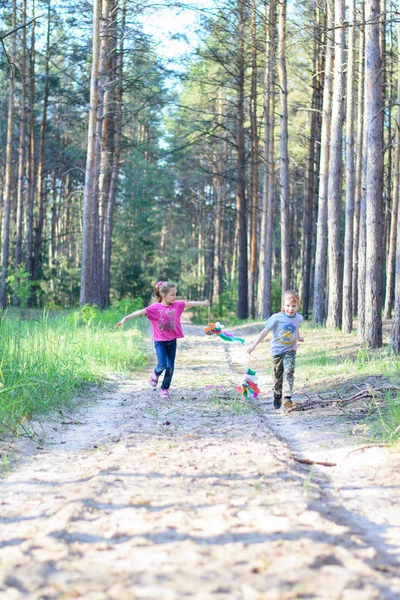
pixel 199 497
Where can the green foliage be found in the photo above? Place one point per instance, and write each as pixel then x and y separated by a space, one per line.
pixel 45 360
pixel 20 285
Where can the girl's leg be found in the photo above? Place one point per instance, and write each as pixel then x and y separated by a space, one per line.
pixel 170 350
pixel 161 354
pixel 289 362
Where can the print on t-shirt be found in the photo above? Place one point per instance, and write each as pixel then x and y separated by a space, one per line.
pixel 166 320
pixel 286 335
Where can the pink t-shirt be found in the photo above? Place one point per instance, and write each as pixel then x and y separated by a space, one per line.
pixel 166 320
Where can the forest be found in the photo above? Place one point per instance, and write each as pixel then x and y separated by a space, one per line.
pixel 269 160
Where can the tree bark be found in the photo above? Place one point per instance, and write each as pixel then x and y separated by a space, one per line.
pixel 31 169
pixel 241 208
pixel 87 221
pixel 359 155
pixel 335 175
pixel 254 166
pixel 284 157
pixel 390 268
pixel 265 273
pixel 40 176
pixel 321 244
pixel 374 229
pixel 8 192
pixel 21 151
pixel 347 317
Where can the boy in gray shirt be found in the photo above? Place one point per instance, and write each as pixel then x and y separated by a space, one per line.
pixel 285 335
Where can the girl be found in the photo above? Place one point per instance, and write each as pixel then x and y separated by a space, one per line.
pixel 165 318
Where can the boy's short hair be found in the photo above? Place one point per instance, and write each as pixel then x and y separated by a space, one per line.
pixel 292 294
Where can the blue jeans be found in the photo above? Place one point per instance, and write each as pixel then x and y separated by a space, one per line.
pixel 165 352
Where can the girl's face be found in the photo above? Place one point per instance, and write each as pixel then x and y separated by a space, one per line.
pixel 169 297
pixel 290 306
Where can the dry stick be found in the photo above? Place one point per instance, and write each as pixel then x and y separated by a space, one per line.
pixel 307 461
pixel 366 447
pixel 359 396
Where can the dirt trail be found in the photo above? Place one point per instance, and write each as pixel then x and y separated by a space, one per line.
pixel 199 497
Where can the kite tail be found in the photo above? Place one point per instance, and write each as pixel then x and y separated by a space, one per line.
pixel 228 337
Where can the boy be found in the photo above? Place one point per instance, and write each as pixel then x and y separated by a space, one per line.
pixel 285 334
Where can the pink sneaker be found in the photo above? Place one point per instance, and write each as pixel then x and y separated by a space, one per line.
pixel 154 379
pixel 165 394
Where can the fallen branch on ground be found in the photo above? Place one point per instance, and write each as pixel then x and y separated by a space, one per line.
pixel 338 400
pixel 307 461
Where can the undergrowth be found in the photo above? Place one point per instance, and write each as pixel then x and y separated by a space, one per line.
pixel 46 357
pixel 330 360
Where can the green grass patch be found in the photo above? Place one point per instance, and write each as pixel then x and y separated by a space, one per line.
pixel 330 360
pixel 46 357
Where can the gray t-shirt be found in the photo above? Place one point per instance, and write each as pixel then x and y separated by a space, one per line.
pixel 285 331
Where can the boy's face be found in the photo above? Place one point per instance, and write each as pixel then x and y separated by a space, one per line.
pixel 290 306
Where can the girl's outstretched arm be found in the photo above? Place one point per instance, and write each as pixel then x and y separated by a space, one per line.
pixel 190 303
pixel 136 313
pixel 263 334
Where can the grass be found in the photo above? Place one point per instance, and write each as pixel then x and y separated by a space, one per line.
pixel 46 358
pixel 330 360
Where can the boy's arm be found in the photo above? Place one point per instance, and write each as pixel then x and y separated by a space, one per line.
pixel 263 334
pixel 190 303
pixel 136 313
pixel 299 336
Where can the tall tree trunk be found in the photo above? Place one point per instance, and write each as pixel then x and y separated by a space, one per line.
pixel 284 158
pixel 347 318
pixel 390 269
pixel 40 177
pixel 107 83
pixel 21 151
pixel 31 155
pixel 254 165
pixel 88 209
pixel 310 178
pixel 359 158
pixel 264 283
pixel 321 244
pixel 242 309
pixel 119 62
pixel 374 229
pixel 7 192
pixel 335 174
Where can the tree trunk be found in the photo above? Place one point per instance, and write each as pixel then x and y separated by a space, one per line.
pixel 31 156
pixel 119 62
pixel 310 180
pixel 87 222
pixel 40 177
pixel 7 193
pixel 21 150
pixel 321 244
pixel 390 268
pixel 264 284
pixel 374 229
pixel 359 155
pixel 254 166
pixel 242 310
pixel 347 318
pixel 284 158
pixel 335 175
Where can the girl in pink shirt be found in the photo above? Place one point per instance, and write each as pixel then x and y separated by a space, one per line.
pixel 165 318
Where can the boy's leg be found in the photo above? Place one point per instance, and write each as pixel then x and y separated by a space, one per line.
pixel 170 351
pixel 277 376
pixel 289 363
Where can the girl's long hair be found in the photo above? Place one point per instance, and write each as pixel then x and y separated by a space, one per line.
pixel 162 287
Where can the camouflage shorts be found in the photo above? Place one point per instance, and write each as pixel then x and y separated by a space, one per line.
pixel 283 373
